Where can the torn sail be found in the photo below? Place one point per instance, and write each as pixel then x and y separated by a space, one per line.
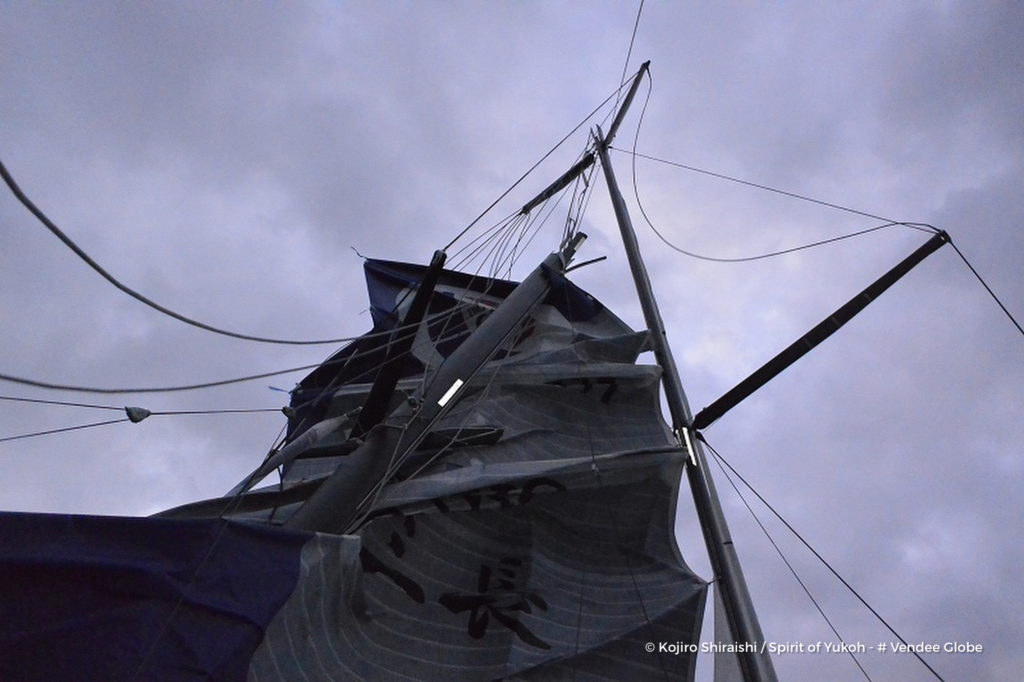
pixel 530 536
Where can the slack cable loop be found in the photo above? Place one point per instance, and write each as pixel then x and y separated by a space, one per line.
pixel 68 242
pixel 636 193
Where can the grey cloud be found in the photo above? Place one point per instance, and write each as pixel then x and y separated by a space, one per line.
pixel 223 161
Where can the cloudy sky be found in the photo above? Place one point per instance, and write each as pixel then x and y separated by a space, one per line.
pixel 227 160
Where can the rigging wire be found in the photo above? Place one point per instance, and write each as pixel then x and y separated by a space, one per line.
pixel 472 249
pixel 68 242
pixel 530 231
pixel 987 287
pixel 501 233
pixel 889 222
pixel 50 225
pixel 522 224
pixel 63 403
pixel 502 254
pixel 767 188
pixel 214 384
pixel 62 430
pixel 578 203
pixel 772 254
pixel 493 375
pixel 395 465
pixel 494 245
pixel 504 248
pixel 636 192
pixel 150 389
pixel 234 501
pixel 786 561
pixel 486 254
pixel 12 184
pixel 249 410
pixel 539 218
pixel 629 51
pixel 818 556
pixel 135 415
pixel 117 408
pixel 924 227
pixel 397 458
pixel 534 167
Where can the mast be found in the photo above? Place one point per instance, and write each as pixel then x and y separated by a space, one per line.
pixel 743 624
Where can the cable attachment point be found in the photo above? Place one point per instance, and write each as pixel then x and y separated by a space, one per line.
pixel 683 435
pixel 136 414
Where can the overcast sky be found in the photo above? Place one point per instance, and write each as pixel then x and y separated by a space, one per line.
pixel 226 159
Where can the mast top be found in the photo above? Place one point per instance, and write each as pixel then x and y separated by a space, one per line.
pixel 614 127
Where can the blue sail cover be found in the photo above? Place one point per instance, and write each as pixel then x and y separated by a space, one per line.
pixel 529 536
pixel 110 598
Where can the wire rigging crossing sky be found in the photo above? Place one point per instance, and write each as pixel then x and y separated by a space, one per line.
pixel 224 161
